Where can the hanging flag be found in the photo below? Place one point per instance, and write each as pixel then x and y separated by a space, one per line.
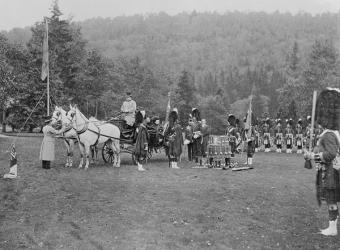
pixel 45 68
pixel 13 165
pixel 168 108
pixel 248 122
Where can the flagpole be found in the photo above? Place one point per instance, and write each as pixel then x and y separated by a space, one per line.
pixel 48 75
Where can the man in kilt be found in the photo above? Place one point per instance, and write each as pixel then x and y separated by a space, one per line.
pixel 173 140
pixel 141 147
pixel 249 134
pixel 278 131
pixel 289 134
pixel 327 149
pixel 233 137
pixel 299 136
pixel 197 136
pixel 266 135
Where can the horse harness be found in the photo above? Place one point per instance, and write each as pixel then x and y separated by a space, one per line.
pixel 86 128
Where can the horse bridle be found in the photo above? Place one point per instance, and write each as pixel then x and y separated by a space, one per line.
pixel 86 126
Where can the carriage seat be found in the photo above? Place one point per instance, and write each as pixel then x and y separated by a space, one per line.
pixel 128 133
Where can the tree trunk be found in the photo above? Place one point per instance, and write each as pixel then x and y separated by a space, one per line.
pixel 4 120
pixel 96 109
pixel 87 107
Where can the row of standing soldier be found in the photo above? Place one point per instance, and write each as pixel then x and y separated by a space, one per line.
pixel 291 135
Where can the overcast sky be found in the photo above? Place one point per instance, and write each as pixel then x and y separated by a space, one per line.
pixel 21 13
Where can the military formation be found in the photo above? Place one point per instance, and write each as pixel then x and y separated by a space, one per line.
pixel 285 136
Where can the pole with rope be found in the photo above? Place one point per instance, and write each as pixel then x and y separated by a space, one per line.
pixel 45 72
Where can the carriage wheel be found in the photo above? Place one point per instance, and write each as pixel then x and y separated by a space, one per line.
pixel 107 154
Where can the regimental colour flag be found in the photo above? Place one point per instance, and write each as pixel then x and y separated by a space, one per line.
pixel 45 68
pixel 168 108
pixel 13 172
pixel 248 122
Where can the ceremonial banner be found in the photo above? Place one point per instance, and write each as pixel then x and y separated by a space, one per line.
pixel 168 108
pixel 248 122
pixel 45 68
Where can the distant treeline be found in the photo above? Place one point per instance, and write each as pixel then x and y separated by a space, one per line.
pixel 208 60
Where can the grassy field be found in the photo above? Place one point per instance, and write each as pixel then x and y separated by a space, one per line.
pixel 270 207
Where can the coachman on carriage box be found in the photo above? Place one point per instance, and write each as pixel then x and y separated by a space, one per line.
pixel 325 155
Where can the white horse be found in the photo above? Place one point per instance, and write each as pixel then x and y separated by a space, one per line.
pixel 70 134
pixel 90 134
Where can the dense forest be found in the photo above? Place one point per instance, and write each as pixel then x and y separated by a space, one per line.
pixel 207 60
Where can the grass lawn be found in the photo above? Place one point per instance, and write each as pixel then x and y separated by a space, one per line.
pixel 270 207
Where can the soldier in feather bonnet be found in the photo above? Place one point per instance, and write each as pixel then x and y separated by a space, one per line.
pixel 325 153
pixel 141 147
pixel 173 140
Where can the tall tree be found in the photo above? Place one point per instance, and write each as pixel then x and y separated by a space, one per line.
pixel 185 95
pixel 66 53
pixel 322 63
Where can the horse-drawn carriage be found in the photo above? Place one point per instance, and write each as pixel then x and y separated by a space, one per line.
pixel 128 139
pixel 113 134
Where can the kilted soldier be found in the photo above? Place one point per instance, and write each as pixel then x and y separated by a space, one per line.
pixel 257 138
pixel 173 140
pixel 189 139
pixel 266 135
pixel 233 137
pixel 289 136
pixel 47 151
pixel 197 136
pixel 141 147
pixel 299 136
pixel 327 149
pixel 249 134
pixel 278 131
pixel 205 131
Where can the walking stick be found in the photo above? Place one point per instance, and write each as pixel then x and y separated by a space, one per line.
pixel 308 162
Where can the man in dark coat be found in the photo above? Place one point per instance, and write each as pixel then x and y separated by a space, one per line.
pixel 233 137
pixel 205 131
pixel 189 139
pixel 173 140
pixel 141 147
pixel 326 151
pixel 197 135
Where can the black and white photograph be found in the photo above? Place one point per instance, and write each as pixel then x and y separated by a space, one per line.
pixel 169 125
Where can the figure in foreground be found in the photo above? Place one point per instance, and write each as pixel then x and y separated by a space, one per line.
pixel 327 148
